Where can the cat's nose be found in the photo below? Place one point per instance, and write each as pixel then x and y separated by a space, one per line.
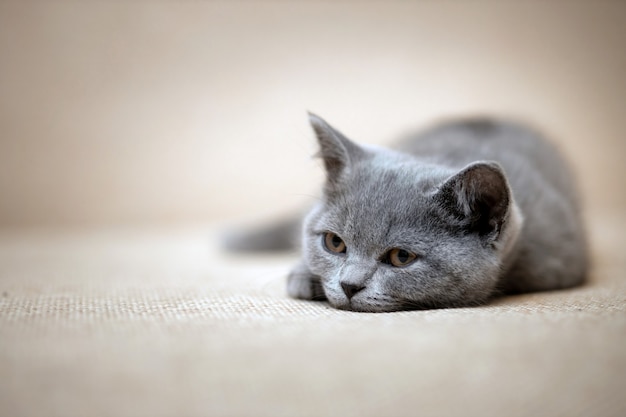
pixel 350 288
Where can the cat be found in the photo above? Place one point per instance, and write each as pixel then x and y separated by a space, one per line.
pixel 465 211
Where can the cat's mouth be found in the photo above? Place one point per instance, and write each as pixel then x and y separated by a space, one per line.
pixel 368 302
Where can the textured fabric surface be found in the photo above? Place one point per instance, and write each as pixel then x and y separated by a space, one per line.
pixel 163 324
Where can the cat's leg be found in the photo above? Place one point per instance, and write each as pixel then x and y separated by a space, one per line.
pixel 303 284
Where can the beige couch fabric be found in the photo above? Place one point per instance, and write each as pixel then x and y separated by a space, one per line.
pixel 163 324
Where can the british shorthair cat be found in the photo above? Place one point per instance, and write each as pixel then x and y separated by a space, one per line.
pixel 460 213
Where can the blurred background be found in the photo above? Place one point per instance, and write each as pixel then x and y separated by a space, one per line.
pixel 178 112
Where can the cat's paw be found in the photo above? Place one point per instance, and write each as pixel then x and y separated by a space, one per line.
pixel 302 284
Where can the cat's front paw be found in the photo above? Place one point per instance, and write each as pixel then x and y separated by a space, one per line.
pixel 302 284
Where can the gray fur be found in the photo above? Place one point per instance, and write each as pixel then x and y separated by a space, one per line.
pixel 281 236
pixel 489 207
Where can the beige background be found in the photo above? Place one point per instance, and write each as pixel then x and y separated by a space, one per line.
pixel 183 111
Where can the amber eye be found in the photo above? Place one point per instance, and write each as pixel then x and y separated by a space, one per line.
pixel 399 257
pixel 333 243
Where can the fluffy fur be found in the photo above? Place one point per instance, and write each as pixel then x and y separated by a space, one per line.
pixel 486 207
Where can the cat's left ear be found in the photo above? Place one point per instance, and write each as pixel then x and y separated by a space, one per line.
pixel 479 197
pixel 337 151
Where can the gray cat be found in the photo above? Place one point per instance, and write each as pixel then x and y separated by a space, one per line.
pixel 465 211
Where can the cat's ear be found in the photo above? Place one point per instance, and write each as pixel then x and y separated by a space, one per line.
pixel 337 151
pixel 478 197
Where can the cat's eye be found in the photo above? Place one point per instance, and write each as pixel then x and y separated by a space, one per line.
pixel 333 243
pixel 399 257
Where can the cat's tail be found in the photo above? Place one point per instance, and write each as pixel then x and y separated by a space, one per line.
pixel 281 235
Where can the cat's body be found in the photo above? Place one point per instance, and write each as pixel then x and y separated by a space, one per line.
pixel 551 250
pixel 458 214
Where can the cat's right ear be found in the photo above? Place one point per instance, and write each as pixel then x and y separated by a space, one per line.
pixel 479 197
pixel 337 151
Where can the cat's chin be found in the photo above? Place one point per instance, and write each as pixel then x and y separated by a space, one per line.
pixel 358 308
pixel 389 305
pixel 363 306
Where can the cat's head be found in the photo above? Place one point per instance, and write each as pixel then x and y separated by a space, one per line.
pixel 394 233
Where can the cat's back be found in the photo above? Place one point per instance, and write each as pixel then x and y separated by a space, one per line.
pixel 527 157
pixel 552 248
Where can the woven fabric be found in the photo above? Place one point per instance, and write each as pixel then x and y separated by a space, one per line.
pixel 120 324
